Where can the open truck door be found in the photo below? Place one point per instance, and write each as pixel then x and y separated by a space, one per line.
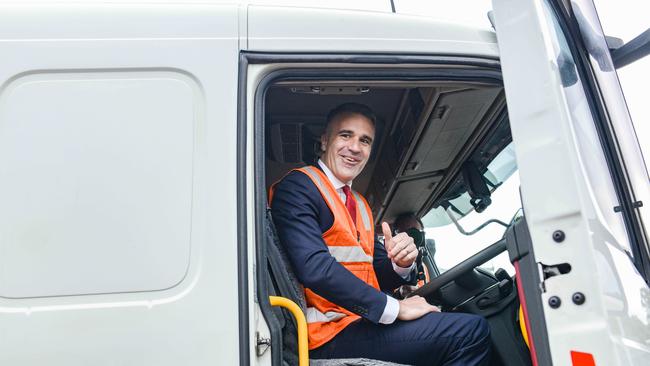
pixel 584 271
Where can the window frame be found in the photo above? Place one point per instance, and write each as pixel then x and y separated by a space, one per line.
pixel 309 66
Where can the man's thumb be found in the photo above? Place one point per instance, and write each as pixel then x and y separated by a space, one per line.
pixel 386 229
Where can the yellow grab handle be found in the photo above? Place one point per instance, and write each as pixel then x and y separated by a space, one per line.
pixel 301 322
pixel 522 325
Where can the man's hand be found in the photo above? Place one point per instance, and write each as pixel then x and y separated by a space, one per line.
pixel 400 248
pixel 414 308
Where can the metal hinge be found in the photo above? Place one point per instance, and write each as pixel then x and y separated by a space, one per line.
pixel 637 204
pixel 261 344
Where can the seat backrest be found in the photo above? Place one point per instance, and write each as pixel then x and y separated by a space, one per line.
pixel 284 283
pixel 280 267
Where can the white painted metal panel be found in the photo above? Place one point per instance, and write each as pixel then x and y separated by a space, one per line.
pixel 325 30
pixel 566 185
pixel 189 316
pixel 96 182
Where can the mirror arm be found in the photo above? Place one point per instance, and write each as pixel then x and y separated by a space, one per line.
pixel 462 231
pixel 633 50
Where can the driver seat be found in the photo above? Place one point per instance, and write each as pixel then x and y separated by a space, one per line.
pixel 283 282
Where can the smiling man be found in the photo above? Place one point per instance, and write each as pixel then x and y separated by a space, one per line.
pixel 328 233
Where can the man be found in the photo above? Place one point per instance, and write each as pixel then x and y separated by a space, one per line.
pixel 327 230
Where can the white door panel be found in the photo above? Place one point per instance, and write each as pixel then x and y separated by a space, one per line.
pixel 117 143
pixel 566 185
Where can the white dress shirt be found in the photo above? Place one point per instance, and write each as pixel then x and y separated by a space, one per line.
pixel 392 305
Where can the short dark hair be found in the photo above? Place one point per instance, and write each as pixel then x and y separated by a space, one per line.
pixel 404 220
pixel 351 108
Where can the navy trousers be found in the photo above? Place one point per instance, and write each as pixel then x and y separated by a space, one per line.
pixel 434 339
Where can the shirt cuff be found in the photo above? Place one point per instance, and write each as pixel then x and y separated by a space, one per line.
pixel 390 311
pixel 403 272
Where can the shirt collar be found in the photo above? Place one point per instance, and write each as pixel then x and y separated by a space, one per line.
pixel 335 182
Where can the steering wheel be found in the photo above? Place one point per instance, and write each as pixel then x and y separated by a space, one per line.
pixel 461 268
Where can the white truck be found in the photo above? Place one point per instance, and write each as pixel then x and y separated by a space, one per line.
pixel 138 141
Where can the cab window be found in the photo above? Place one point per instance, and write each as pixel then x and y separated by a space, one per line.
pixel 474 231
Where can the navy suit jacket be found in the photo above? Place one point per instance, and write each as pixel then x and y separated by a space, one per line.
pixel 301 216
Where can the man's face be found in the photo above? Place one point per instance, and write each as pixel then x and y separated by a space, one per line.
pixel 346 146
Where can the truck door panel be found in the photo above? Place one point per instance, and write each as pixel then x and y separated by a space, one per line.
pixel 118 242
pixel 571 184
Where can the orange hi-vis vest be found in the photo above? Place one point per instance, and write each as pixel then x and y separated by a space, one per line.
pixel 352 246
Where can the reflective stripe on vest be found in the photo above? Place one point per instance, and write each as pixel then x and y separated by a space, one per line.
pixel 365 217
pixel 363 210
pixel 311 171
pixel 315 316
pixel 349 254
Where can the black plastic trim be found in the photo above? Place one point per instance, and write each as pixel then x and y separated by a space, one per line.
pixel 465 60
pixel 440 74
pixel 242 259
pixel 521 250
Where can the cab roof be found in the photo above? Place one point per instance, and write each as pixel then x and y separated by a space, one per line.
pixel 313 27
